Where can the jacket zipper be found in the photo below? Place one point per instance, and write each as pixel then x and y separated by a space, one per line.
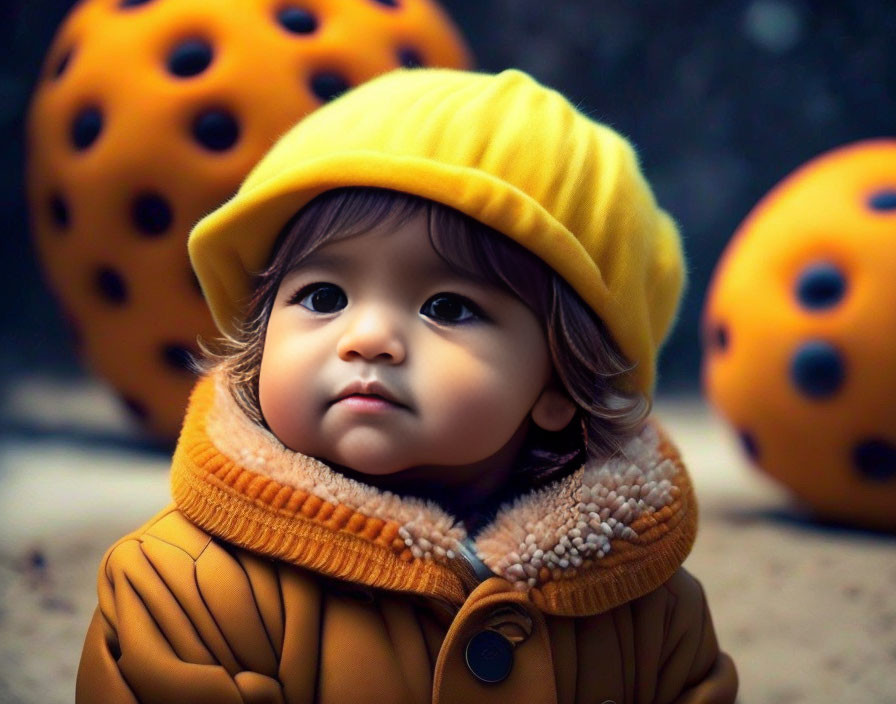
pixel 476 571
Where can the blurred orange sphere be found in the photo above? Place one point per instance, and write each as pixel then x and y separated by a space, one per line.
pixel 148 115
pixel 800 332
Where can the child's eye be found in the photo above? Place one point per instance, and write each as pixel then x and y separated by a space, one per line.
pixel 451 308
pixel 320 298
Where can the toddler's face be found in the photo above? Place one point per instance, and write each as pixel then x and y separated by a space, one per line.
pixel 380 358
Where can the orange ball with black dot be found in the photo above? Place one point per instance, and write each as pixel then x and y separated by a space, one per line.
pixel 800 334
pixel 147 116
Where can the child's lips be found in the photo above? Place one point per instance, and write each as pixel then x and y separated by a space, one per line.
pixel 368 395
pixel 365 403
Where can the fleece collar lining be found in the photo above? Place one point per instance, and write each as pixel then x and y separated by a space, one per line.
pixel 545 534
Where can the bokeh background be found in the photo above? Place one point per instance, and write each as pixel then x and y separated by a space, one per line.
pixel 722 100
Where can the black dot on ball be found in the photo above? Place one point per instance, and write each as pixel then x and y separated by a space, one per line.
pixel 216 129
pixel 327 86
pixel 135 408
pixel 151 214
pixel 86 127
pixel 817 369
pixel 875 459
pixel 62 64
pixel 820 286
pixel 297 20
pixel 883 200
pixel 189 58
pixel 111 285
pixel 410 58
pixel 178 357
pixel 59 211
pixel 125 4
pixel 715 337
pixel 749 444
pixel 720 337
pixel 387 3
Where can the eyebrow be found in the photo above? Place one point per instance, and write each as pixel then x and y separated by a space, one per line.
pixel 322 260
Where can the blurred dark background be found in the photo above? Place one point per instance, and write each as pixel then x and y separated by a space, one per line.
pixel 722 99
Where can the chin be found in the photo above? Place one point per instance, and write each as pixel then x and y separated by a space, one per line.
pixel 367 463
pixel 368 453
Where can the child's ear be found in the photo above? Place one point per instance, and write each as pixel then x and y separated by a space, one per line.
pixel 553 410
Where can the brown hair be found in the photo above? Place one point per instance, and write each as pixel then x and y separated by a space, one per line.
pixel 587 362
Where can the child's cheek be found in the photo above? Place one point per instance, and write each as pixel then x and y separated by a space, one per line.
pixel 284 385
pixel 482 395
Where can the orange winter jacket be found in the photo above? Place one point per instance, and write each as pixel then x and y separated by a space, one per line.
pixel 273 578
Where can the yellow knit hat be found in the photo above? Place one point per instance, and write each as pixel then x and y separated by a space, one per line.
pixel 503 149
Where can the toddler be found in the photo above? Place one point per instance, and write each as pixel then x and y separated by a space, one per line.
pixel 419 466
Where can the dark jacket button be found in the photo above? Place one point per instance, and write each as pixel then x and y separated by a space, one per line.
pixel 489 656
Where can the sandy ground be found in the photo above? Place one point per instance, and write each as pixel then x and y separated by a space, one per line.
pixel 808 612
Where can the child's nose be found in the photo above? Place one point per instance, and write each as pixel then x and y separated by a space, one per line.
pixel 372 333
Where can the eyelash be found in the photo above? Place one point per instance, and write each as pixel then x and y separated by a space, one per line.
pixel 310 290
pixel 476 313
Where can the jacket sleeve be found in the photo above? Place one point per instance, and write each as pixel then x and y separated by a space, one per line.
pixel 159 636
pixel 690 668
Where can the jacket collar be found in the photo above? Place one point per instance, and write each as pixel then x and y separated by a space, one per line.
pixel 601 536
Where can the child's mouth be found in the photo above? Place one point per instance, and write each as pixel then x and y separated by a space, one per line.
pixel 369 403
pixel 368 395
